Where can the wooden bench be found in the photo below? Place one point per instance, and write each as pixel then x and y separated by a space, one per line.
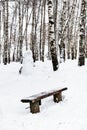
pixel 35 100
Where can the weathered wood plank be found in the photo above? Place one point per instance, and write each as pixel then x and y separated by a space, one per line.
pixel 42 95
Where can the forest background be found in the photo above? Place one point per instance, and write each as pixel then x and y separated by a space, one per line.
pixel 59 26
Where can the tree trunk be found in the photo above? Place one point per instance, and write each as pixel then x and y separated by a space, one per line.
pixel 81 60
pixel 52 36
pixel 44 30
pixel 62 33
pixel 15 32
pixel 26 41
pixel 41 29
pixel 33 32
pixel 5 18
pixel 0 32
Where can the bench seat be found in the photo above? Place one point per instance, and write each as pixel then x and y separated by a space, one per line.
pixel 35 100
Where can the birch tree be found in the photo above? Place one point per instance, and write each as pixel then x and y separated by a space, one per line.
pixel 81 60
pixel 62 32
pixel 0 32
pixel 5 21
pixel 26 31
pixel 86 32
pixel 20 32
pixel 33 31
pixel 44 30
pixel 52 36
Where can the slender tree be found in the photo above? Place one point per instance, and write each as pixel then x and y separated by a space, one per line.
pixel 86 33
pixel 0 32
pixel 41 29
pixel 26 30
pixel 62 32
pixel 5 21
pixel 44 30
pixel 81 60
pixel 52 36
pixel 33 31
pixel 68 31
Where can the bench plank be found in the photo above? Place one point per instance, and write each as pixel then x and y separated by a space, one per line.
pixel 42 95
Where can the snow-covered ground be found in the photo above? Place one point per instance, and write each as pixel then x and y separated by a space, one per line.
pixel 71 114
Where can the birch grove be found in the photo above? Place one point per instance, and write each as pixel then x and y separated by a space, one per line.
pixel 57 26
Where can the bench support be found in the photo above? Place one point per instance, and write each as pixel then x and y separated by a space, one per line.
pixel 39 102
pixel 34 107
pixel 57 97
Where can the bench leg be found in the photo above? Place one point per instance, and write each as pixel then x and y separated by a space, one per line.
pixel 39 102
pixel 57 97
pixel 34 107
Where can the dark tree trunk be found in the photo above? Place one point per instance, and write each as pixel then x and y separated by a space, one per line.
pixel 81 60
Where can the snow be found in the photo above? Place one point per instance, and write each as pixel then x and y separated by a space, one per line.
pixel 70 114
pixel 27 63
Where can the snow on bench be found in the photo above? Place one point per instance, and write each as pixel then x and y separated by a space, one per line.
pixel 35 100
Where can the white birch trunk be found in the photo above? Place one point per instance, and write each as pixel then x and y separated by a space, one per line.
pixel 52 36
